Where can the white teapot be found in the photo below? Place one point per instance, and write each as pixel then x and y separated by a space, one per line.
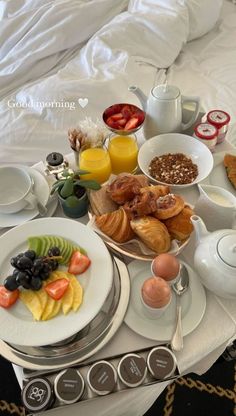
pixel 164 109
pixel 215 259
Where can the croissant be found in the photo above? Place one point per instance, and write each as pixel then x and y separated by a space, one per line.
pixel 180 226
pixel 230 166
pixel 115 225
pixel 123 188
pixel 168 206
pixel 142 204
pixel 153 233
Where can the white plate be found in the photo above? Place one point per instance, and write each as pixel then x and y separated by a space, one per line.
pixel 16 323
pixel 193 304
pixel 41 190
pixel 218 174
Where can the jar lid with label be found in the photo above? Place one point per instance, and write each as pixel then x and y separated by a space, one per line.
pixel 205 131
pixel 37 395
pixel 161 362
pixel 69 386
pixel 102 377
pixel 218 118
pixel 132 370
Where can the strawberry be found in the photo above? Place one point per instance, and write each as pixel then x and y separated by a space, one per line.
pixel 113 109
pixel 57 288
pixel 117 116
pixel 131 124
pixel 7 297
pixel 140 115
pixel 126 111
pixel 122 122
pixel 78 263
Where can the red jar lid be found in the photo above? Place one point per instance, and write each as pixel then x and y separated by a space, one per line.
pixel 218 118
pixel 205 131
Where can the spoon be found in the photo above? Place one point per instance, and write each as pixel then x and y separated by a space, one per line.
pixel 179 288
pixel 41 208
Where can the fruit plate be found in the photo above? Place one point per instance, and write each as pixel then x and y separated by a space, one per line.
pixel 17 324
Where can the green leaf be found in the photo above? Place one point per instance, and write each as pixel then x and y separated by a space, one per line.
pixel 72 201
pixel 81 172
pixel 90 184
pixel 67 188
pixel 56 185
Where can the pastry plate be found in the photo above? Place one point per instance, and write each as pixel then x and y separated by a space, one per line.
pixel 218 176
pixel 41 190
pixel 16 323
pixel 193 304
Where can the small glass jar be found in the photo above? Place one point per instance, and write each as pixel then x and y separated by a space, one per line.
pixel 207 134
pixel 55 164
pixel 69 386
pixel 132 370
pixel 102 378
pixel 37 395
pixel 161 362
pixel 220 119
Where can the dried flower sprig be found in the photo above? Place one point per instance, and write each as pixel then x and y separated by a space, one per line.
pixel 87 134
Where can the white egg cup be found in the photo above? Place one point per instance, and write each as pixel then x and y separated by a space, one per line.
pixel 153 313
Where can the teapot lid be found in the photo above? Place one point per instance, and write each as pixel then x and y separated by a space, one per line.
pixel 166 92
pixel 226 249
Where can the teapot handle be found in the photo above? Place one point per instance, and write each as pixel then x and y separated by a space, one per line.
pixel 192 120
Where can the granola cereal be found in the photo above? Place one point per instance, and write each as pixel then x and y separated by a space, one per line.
pixel 173 168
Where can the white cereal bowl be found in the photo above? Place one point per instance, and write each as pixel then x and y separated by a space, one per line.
pixel 176 143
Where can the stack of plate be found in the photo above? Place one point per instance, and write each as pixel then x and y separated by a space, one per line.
pixel 64 340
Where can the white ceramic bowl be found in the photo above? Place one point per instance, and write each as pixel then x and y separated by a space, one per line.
pixel 176 143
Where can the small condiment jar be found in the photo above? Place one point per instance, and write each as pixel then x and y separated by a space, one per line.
pixel 220 119
pixel 69 386
pixel 207 134
pixel 102 378
pixel 37 395
pixel 55 164
pixel 161 362
pixel 132 370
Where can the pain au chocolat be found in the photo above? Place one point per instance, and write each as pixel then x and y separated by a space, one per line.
pixel 168 206
pixel 180 226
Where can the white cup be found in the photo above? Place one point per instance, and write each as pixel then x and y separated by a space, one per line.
pixel 15 190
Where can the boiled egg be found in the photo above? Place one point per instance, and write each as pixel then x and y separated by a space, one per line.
pixel 156 292
pixel 166 266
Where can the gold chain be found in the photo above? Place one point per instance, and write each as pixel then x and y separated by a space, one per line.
pixel 12 408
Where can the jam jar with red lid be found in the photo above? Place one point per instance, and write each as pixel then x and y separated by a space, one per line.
pixel 207 134
pixel 220 119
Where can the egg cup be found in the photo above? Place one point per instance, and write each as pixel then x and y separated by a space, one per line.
pixel 153 313
pixel 170 282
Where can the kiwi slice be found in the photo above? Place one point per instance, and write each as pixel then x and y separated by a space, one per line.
pixel 41 244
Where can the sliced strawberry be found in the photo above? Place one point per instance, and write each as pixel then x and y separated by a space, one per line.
pixel 126 111
pixel 140 115
pixel 113 109
pixel 57 288
pixel 7 297
pixel 122 122
pixel 113 124
pixel 117 116
pixel 78 263
pixel 131 124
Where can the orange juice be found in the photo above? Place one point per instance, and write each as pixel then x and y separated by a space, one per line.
pixel 97 162
pixel 123 151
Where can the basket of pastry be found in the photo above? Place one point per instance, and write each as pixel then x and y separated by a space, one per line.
pixel 138 219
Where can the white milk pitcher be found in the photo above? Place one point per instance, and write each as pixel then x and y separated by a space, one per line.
pixel 217 207
pixel 164 109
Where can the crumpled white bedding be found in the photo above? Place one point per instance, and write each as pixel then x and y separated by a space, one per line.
pixel 44 70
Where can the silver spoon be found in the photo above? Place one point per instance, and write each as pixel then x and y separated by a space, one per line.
pixel 41 208
pixel 179 288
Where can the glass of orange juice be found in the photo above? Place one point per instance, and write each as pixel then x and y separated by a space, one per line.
pixel 123 151
pixel 96 160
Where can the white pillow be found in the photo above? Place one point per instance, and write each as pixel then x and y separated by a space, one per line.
pixel 203 15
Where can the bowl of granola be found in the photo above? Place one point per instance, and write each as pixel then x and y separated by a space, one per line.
pixel 175 159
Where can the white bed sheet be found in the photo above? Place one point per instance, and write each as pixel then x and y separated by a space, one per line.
pixel 129 48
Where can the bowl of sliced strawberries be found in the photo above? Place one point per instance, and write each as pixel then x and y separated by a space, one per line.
pixel 123 118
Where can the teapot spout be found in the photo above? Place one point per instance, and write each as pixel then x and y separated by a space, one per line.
pixel 199 227
pixel 141 96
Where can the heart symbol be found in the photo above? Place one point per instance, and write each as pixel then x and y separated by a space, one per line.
pixel 83 102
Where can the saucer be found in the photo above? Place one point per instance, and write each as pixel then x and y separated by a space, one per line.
pixel 41 190
pixel 193 303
